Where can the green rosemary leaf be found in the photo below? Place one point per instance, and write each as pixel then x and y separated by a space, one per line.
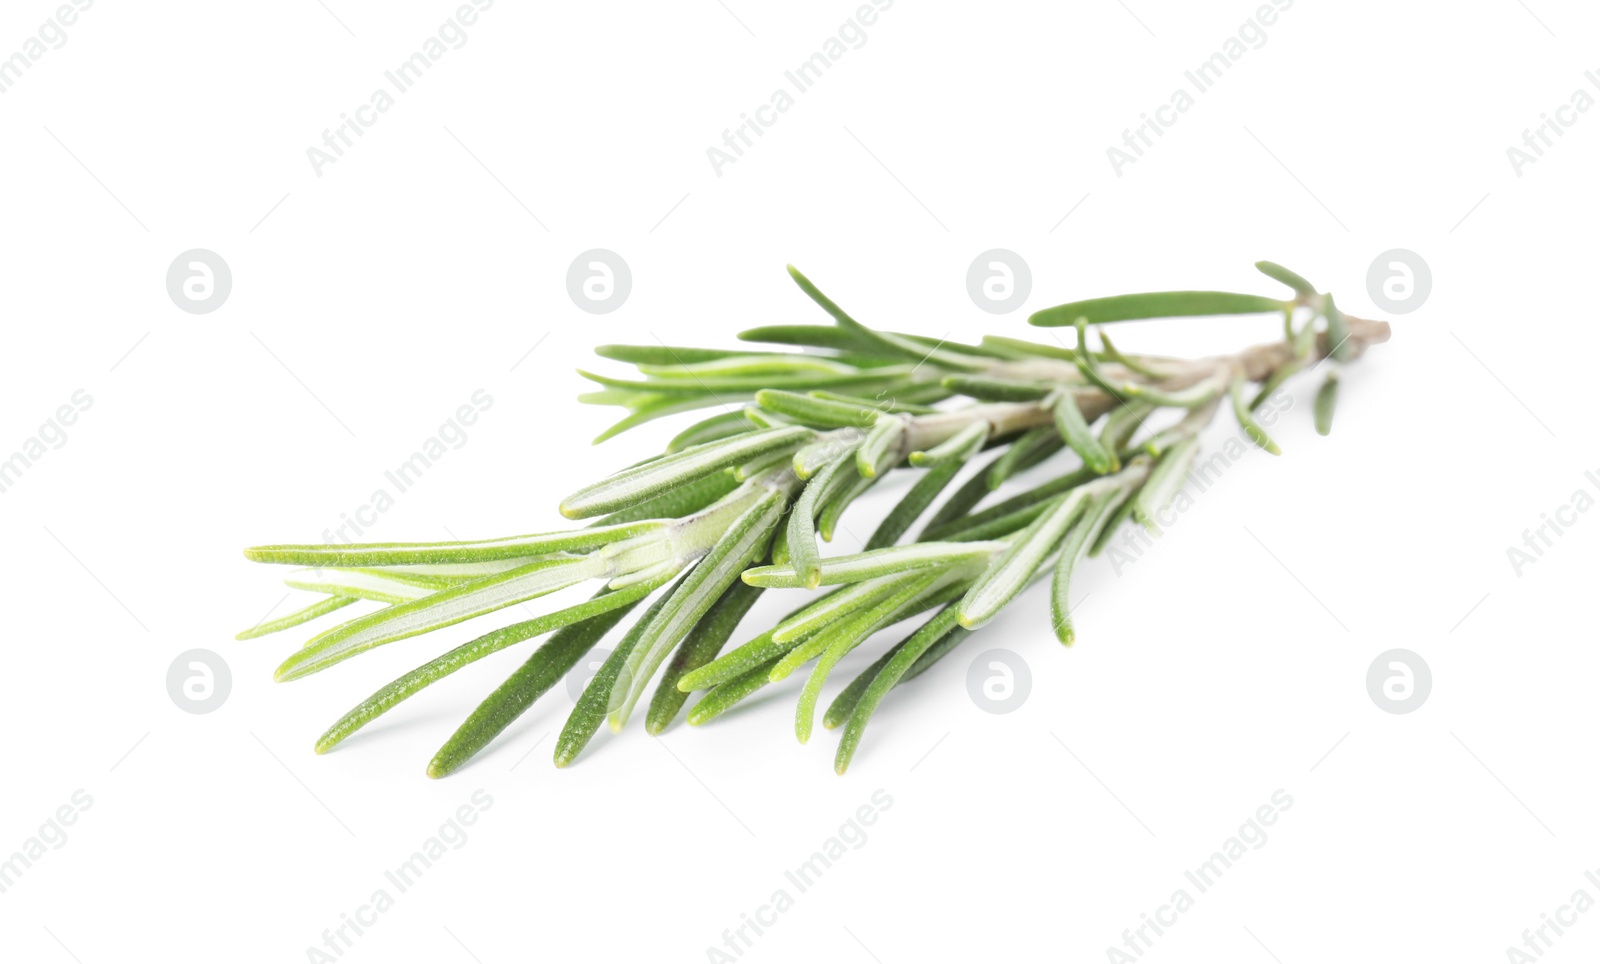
pixel 959 447
pixel 845 703
pixel 765 365
pixel 1252 430
pixel 744 541
pixel 595 700
pixel 660 406
pixel 1168 476
pixel 816 412
pixel 720 390
pixel 431 672
pixel 726 695
pixel 377 585
pixel 890 611
pixel 1278 272
pixel 961 529
pixel 1121 510
pixel 671 354
pixel 1084 531
pixel 1131 364
pixel 1276 380
pixel 675 502
pixel 1009 574
pixel 1191 397
pixel 1069 422
pixel 444 608
pixel 1339 347
pixel 548 664
pixel 1327 398
pixel 718 426
pixel 899 664
pixel 804 556
pixel 878 450
pixel 906 399
pixel 832 607
pixel 916 501
pixel 813 336
pixel 817 636
pixel 973 491
pixel 697 649
pixel 1154 304
pixel 988 388
pixel 762 463
pixel 862 566
pixel 1031 447
pixel 655 478
pixel 1028 349
pixel 911 349
pixel 833 508
pixel 331 556
pixel 1121 425
pixel 319 608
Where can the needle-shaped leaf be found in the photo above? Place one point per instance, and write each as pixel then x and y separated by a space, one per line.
pixel 898 666
pixel 319 608
pixel 901 605
pixel 718 426
pixel 816 412
pixel 879 450
pixel 548 664
pixel 862 566
pixel 1339 346
pixel 990 389
pixel 915 502
pixel 654 478
pixel 804 556
pixel 612 604
pixel 1252 429
pixel 959 447
pixel 672 354
pixel 845 703
pixel 887 342
pixel 372 584
pixel 1154 304
pixel 444 608
pixel 1278 272
pixel 1031 447
pixel 1170 473
pixel 1011 572
pixel 1079 437
pixel 745 540
pixel 697 649
pixel 330 555
pixel 728 694
pixel 1084 531
pixel 750 366
pixel 590 710
pixel 676 502
pixel 833 509
pixel 1327 398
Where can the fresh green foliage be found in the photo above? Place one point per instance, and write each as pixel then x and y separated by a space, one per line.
pixel 739 502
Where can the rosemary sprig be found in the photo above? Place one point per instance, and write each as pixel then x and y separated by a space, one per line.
pixel 740 501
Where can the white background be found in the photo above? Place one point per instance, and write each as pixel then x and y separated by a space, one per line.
pixel 368 303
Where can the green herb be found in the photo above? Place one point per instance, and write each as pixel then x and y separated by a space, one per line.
pixel 739 502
